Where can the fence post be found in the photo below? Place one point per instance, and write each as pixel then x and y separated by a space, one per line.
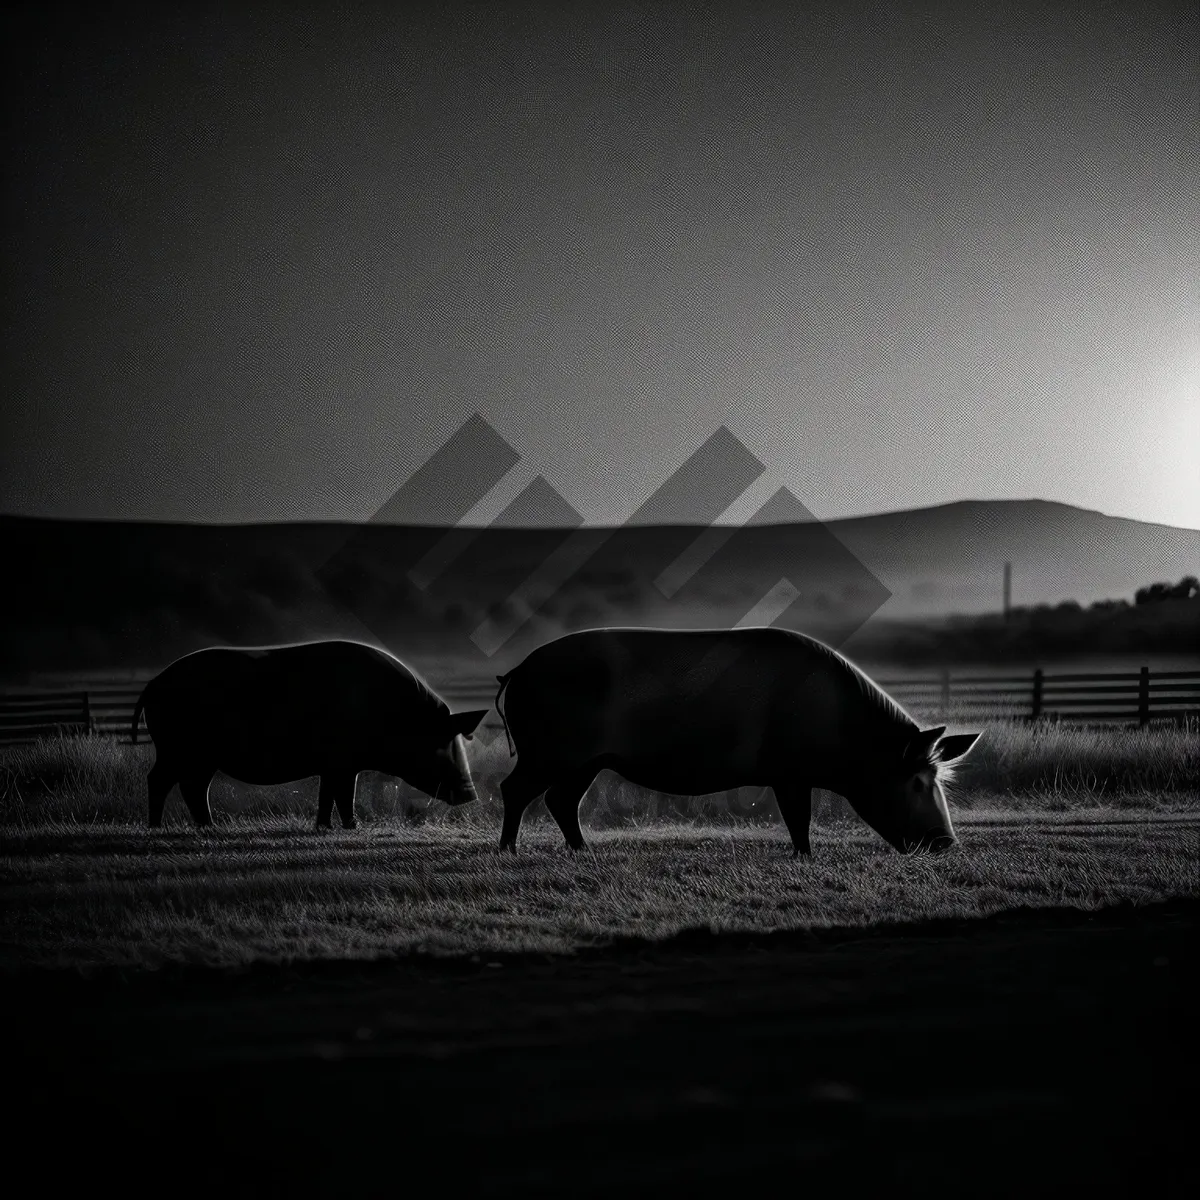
pixel 946 693
pixel 1037 694
pixel 1144 698
pixel 87 712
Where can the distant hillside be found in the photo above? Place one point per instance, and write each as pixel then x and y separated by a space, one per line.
pixel 101 595
pixel 949 559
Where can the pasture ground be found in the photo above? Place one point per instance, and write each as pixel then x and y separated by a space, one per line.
pixel 274 890
pixel 1029 1053
pixel 682 1009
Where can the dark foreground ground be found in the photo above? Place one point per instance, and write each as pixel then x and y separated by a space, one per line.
pixel 1033 1053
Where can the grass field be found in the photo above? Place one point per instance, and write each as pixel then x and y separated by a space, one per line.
pixel 277 891
pixel 538 1010
pixel 1013 766
pixel 1085 818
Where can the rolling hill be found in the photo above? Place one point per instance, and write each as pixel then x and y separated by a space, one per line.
pixel 109 595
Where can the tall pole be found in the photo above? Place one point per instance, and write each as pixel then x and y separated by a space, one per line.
pixel 1007 589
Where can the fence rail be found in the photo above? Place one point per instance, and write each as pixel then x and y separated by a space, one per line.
pixel 1133 698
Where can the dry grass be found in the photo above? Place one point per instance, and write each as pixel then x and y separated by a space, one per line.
pixel 1013 766
pixel 1063 767
pixel 277 891
pixel 1046 817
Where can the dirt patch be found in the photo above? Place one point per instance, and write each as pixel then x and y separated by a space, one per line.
pixel 1021 1053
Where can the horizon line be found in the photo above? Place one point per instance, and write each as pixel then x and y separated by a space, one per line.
pixel 718 524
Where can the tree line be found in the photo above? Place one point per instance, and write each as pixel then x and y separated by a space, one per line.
pixel 1188 588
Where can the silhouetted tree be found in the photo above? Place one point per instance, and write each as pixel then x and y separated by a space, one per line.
pixel 1188 588
pixel 1152 594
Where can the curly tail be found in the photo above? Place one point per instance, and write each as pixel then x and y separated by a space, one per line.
pixel 503 684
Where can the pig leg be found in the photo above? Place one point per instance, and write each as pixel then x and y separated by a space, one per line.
pixel 194 789
pixel 519 790
pixel 795 806
pixel 343 797
pixel 159 781
pixel 325 804
pixel 336 787
pixel 562 800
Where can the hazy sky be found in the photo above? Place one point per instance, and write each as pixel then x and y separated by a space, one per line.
pixel 259 266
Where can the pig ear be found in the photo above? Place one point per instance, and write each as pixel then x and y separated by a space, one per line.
pixel 920 744
pixel 466 722
pixel 954 747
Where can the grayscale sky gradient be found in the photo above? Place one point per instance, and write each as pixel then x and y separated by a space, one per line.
pixel 259 266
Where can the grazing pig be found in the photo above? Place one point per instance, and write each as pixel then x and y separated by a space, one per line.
pixel 278 714
pixel 691 712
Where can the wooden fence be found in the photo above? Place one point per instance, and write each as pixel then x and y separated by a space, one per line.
pixel 30 713
pixel 1129 698
pixel 1107 698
